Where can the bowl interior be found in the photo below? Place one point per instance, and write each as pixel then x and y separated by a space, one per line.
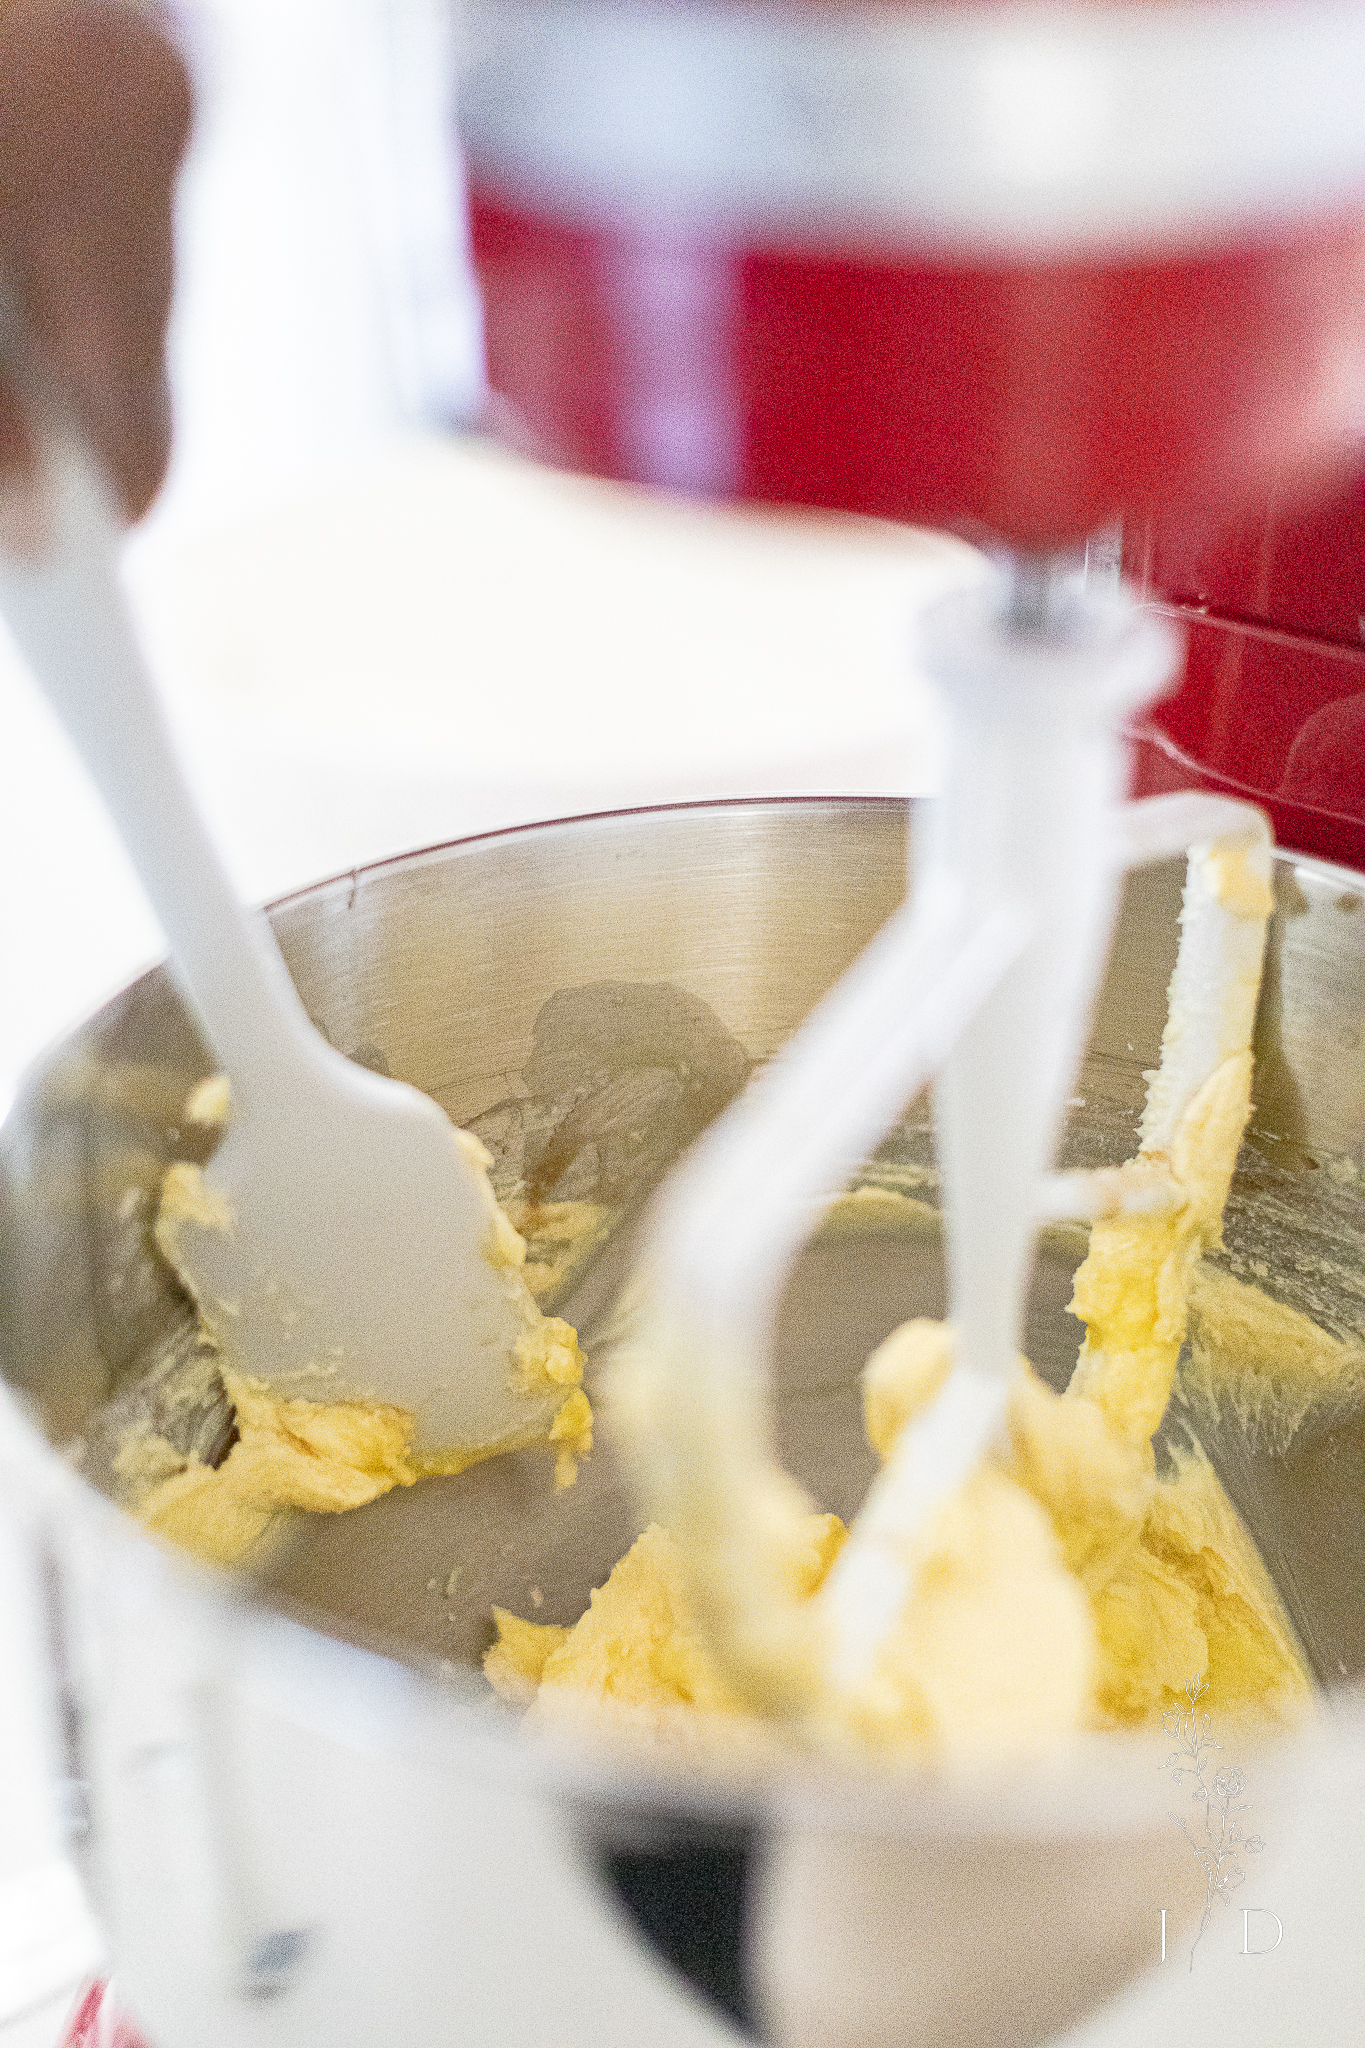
pixel 586 996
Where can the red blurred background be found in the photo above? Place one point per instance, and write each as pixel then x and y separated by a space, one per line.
pixel 1273 699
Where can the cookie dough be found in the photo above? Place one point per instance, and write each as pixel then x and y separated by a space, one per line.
pixel 1267 1364
pixel 321 1457
pixel 638 1651
pixel 1065 1587
pixel 1132 1291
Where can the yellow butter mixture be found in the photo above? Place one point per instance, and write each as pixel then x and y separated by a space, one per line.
pixel 1068 1585
pixel 293 1454
pixel 1064 1587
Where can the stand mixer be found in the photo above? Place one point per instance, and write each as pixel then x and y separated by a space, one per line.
pixel 925 263
pixel 1022 271
pixel 1019 270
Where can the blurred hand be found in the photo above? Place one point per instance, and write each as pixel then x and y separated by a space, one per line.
pixel 94 114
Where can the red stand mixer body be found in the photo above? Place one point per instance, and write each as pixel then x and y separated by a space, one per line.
pixel 1027 402
pixel 1171 353
pixel 1273 698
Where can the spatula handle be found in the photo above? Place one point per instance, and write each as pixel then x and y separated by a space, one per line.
pixel 69 619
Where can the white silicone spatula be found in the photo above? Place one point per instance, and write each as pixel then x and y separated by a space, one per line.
pixel 360 1256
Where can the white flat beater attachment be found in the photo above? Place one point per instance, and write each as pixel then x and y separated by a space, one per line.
pixel 984 981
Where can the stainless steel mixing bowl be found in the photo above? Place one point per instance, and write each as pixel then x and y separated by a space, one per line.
pixel 295 1782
